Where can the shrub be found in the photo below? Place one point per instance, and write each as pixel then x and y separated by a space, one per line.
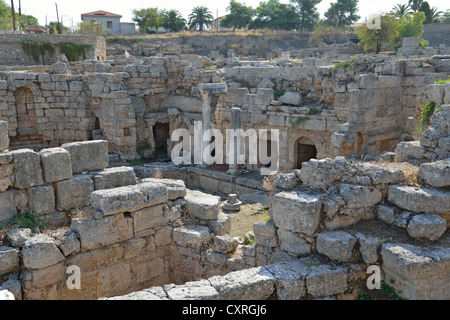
pixel 343 64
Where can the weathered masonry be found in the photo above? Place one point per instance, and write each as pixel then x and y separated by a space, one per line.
pixel 365 108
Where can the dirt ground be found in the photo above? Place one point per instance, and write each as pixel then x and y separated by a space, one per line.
pixel 242 221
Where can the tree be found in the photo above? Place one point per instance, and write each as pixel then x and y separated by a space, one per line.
pixel 91 27
pixel 275 15
pixel 240 16
pixel 435 13
pixel 5 16
pixel 28 20
pixel 446 16
pixel 200 17
pixel 326 34
pixel 400 9
pixel 308 13
pixel 173 21
pixel 148 19
pixel 374 38
pixel 342 13
pixel 415 4
pixel 53 27
pixel 425 8
pixel 411 25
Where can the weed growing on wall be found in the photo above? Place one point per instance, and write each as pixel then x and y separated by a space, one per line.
pixel 73 51
pixel 38 49
pixel 427 111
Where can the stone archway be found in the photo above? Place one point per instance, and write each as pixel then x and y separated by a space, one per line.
pixel 304 150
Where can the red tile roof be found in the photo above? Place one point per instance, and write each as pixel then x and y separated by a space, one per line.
pixel 101 13
pixel 36 28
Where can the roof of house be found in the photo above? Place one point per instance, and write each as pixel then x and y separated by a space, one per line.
pixel 101 13
pixel 36 28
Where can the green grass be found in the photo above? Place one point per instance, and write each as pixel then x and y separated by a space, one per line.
pixel 277 94
pixel 297 123
pixel 28 220
pixel 343 64
pixel 136 162
pixel 115 39
pixel 442 81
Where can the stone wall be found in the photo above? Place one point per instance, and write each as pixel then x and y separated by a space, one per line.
pixel 437 34
pixel 12 53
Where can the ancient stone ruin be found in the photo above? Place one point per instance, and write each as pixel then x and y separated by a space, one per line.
pixel 358 187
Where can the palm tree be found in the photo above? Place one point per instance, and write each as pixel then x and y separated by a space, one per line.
pixel 173 20
pixel 435 13
pixel 401 9
pixel 201 17
pixel 415 4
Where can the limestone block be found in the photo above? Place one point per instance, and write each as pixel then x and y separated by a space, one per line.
pixel 153 293
pixel 129 198
pixel 9 257
pixel 42 200
pixel 150 218
pixel 359 196
pixel 45 278
pixel 325 280
pixel 14 286
pixel 27 168
pixel 4 139
pixel 285 181
pixel 114 177
pixel 379 175
pixel 417 273
pixel 220 226
pixel 291 98
pixel 436 174
pixel 408 150
pixel 296 211
pixel 196 290
pixel 249 284
pixel 56 164
pixel 7 205
pixel 225 244
pixel 421 200
pixel 337 245
pixel 290 279
pixel 176 188
pixel 427 226
pixel 103 232
pixel 74 193
pixel 265 234
pixel 69 243
pixel 88 155
pixel 293 243
pixel 17 237
pixel 202 205
pixel 266 83
pixel 191 235
pixel 369 247
pixel 114 279
pixel 40 252
pixel 392 216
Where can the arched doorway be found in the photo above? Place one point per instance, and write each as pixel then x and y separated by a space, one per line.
pixel 27 127
pixel 305 150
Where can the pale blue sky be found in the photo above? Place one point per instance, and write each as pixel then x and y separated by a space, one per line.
pixel 71 10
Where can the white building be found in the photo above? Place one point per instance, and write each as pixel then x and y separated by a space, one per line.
pixel 110 21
